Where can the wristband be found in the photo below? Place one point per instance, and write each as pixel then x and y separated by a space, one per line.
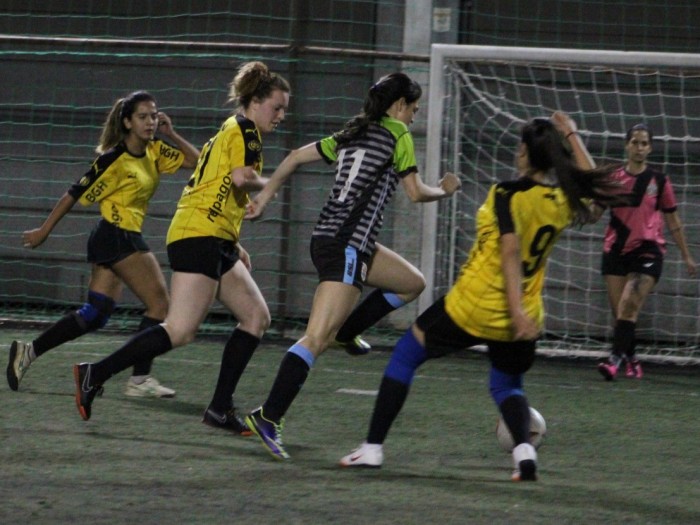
pixel 570 133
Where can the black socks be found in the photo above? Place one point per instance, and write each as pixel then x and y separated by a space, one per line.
pixel 237 352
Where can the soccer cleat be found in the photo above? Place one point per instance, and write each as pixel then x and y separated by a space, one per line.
pixel 634 369
pixel 356 346
pixel 526 471
pixel 18 363
pixel 228 420
pixel 151 387
pixel 85 391
pixel 269 432
pixel 607 370
pixel 366 455
pixel 525 461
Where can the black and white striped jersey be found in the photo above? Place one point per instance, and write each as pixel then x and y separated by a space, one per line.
pixel 367 173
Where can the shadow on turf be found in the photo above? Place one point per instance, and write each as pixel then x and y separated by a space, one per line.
pixel 172 406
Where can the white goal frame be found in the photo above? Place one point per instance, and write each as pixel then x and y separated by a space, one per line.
pixel 441 53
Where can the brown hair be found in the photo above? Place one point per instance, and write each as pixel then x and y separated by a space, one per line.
pixel 254 80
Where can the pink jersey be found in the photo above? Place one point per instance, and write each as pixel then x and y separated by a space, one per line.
pixel 630 226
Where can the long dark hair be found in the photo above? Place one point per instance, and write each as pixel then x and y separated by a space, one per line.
pixel 547 153
pixel 113 129
pixel 379 99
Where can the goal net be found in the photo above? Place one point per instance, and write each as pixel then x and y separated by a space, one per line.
pixel 479 98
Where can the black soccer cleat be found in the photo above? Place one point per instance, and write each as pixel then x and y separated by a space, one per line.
pixel 85 391
pixel 228 420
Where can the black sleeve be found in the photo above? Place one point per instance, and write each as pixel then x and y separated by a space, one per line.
pixel 503 215
pixel 98 167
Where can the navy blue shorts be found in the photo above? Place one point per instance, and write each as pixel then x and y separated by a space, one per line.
pixel 337 262
pixel 210 256
pixel 108 244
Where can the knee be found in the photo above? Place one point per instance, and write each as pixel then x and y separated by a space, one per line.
pixel 95 313
pixel 179 337
pixel 262 324
pixel 412 289
pixel 408 355
pixel 257 322
pixel 265 321
pixel 628 310
pixel 417 286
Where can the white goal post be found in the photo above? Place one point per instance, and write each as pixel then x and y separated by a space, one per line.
pixel 479 96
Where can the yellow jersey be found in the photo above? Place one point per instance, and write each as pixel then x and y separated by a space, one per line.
pixel 210 205
pixel 537 214
pixel 123 183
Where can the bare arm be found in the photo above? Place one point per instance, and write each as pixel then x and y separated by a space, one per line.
pixel 289 165
pixel 418 191
pixel 524 327
pixel 35 237
pixel 675 227
pixel 165 128
pixel 248 179
pixel 568 129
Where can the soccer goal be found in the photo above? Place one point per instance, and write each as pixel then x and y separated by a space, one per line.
pixel 479 96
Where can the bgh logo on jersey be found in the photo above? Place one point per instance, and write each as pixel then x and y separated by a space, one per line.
pixel 95 192
pixel 169 153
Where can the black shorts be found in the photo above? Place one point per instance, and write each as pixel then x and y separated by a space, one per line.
pixel 108 244
pixel 443 336
pixel 210 256
pixel 338 262
pixel 647 260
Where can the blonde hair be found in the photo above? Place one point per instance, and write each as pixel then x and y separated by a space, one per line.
pixel 254 80
pixel 113 129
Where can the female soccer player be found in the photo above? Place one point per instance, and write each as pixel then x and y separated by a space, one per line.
pixel 374 151
pixel 122 180
pixel 634 247
pixel 205 254
pixel 497 299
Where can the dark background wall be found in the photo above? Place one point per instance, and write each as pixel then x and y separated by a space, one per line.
pixel 55 94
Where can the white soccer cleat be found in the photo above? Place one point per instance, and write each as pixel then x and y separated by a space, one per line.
pixel 366 455
pixel 18 363
pixel 525 462
pixel 151 387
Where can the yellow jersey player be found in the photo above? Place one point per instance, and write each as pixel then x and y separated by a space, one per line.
pixel 204 250
pixel 497 299
pixel 121 181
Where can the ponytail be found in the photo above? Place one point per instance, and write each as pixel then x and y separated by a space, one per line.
pixel 380 97
pixel 546 152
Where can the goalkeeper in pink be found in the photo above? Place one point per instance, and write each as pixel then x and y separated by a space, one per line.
pixel 634 247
